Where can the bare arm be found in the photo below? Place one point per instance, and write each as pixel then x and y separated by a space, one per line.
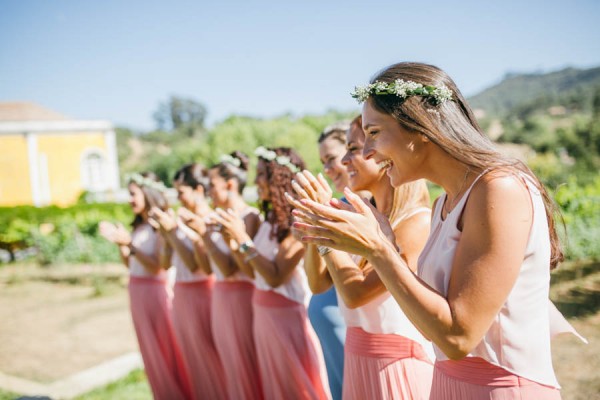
pixel 496 224
pixel 319 279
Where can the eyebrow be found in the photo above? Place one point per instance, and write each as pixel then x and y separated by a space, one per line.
pixel 368 126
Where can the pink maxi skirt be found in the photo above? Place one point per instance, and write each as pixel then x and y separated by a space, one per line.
pixel 191 319
pixel 231 318
pixel 384 366
pixel 473 378
pixel 151 312
pixel 289 354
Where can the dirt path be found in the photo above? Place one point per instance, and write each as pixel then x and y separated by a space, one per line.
pixel 57 324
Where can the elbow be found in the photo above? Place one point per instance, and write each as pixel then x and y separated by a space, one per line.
pixel 353 302
pixel 273 281
pixel 317 287
pixel 457 348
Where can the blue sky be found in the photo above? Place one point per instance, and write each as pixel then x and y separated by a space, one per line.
pixel 117 60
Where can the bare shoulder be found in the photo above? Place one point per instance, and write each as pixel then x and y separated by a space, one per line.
pixel 416 222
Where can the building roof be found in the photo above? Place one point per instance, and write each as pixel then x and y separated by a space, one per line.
pixel 26 111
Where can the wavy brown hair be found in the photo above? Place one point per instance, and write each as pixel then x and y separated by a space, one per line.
pixel 229 171
pixel 453 127
pixel 277 211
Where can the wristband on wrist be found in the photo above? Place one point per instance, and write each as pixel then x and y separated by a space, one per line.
pixel 246 246
pixel 323 250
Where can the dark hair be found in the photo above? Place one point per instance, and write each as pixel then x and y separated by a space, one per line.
pixel 452 126
pixel 336 131
pixel 152 197
pixel 277 211
pixel 192 175
pixel 229 171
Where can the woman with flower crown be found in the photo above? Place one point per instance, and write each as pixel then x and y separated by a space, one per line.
pixel 386 357
pixel 481 289
pixel 147 255
pixel 323 310
pixel 193 283
pixel 290 358
pixel 231 313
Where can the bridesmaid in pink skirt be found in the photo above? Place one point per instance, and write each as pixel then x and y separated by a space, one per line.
pixel 193 285
pixel 146 255
pixel 232 316
pixel 481 293
pixel 385 355
pixel 289 354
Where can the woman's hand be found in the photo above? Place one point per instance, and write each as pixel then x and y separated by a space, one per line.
pixel 232 225
pixel 196 222
pixel 115 233
pixel 163 220
pixel 316 189
pixel 360 231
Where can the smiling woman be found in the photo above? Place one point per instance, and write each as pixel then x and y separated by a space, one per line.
pixel 484 272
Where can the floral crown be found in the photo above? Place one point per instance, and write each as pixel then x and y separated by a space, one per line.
pixel 404 90
pixel 226 158
pixel 270 155
pixel 147 182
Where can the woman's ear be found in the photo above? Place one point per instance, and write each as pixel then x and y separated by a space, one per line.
pixel 232 185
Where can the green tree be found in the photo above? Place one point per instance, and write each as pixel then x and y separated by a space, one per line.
pixel 182 115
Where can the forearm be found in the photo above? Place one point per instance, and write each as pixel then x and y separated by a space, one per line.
pixel 186 254
pixel 201 256
pixel 244 266
pixel 356 287
pixel 426 308
pixel 224 261
pixel 319 279
pixel 124 253
pixel 149 261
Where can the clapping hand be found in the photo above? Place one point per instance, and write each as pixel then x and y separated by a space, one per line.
pixel 115 233
pixel 163 220
pixel 194 221
pixel 232 225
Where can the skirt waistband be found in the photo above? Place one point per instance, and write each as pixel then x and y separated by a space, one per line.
pixel 380 345
pixel 477 371
pixel 269 298
pixel 147 279
pixel 233 285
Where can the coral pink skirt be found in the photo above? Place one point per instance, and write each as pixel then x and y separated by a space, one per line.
pixel 151 312
pixel 231 318
pixel 191 319
pixel 384 366
pixel 473 378
pixel 289 354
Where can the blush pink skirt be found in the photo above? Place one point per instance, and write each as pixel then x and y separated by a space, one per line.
pixel 191 319
pixel 151 312
pixel 289 354
pixel 473 378
pixel 384 366
pixel 231 319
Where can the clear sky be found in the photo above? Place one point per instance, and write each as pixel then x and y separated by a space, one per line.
pixel 117 59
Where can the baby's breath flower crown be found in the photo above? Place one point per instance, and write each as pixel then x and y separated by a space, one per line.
pixel 270 155
pixel 226 158
pixel 147 182
pixel 403 89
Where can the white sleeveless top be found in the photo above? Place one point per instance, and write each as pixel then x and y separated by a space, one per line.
pixel 518 339
pixel 296 288
pixel 219 242
pixel 182 272
pixel 382 315
pixel 144 239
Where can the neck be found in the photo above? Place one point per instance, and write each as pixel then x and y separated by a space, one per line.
pixel 383 193
pixel 236 203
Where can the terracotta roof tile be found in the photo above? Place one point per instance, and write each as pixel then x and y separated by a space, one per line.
pixel 24 111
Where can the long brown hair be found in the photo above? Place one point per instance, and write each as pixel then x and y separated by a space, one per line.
pixel 152 198
pixel 277 211
pixel 452 126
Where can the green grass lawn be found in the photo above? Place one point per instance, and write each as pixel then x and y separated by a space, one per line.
pixel 133 387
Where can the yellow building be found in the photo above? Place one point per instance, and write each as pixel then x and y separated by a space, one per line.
pixel 47 158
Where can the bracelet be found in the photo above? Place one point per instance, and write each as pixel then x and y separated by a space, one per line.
pixel 246 246
pixel 250 256
pixel 323 250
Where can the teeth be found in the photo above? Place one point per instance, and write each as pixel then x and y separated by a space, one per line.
pixel 385 164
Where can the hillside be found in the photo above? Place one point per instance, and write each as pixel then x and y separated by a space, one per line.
pixel 522 94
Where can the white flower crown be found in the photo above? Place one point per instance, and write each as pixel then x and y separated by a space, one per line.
pixel 270 155
pixel 142 181
pixel 404 90
pixel 226 158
